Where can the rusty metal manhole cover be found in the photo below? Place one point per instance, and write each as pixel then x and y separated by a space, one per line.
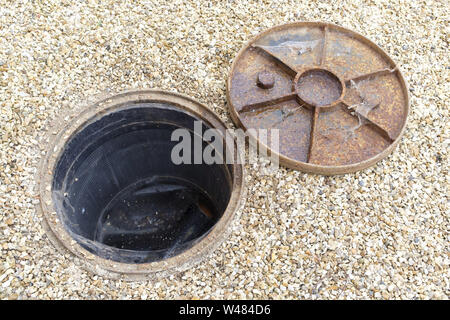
pixel 339 102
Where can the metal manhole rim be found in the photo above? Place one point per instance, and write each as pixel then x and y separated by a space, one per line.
pixel 62 239
pixel 310 167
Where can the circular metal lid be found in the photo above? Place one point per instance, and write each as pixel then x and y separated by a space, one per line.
pixel 339 102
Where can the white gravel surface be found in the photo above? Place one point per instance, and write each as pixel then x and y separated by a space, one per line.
pixel 380 233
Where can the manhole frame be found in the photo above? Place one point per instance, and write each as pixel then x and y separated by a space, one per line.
pixel 309 167
pixel 63 129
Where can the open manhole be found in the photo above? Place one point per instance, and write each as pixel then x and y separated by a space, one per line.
pixel 339 102
pixel 112 194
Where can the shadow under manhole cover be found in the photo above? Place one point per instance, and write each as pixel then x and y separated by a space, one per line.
pixel 111 193
pixel 339 102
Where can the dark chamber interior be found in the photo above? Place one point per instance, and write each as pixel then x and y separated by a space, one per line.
pixel 121 197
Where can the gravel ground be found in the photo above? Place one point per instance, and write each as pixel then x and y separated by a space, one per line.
pixel 378 234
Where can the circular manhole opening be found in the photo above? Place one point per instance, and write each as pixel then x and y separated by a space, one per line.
pixel 339 102
pixel 113 194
